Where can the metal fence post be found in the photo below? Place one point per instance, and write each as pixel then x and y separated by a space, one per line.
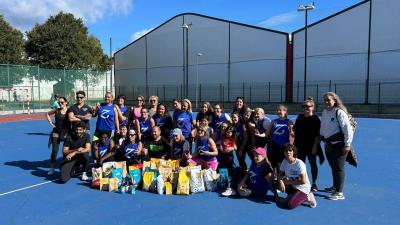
pixel 251 100
pixel 269 92
pixel 316 105
pixel 379 98
pixel 298 90
pixel 38 75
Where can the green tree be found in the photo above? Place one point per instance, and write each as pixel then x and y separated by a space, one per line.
pixel 11 52
pixel 63 42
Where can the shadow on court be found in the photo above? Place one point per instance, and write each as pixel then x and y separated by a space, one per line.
pixel 37 168
pixel 38 134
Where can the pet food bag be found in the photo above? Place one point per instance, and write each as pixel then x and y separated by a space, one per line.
pixel 196 180
pixel 165 171
pixel 136 166
pixel 160 185
pixel 148 180
pixel 97 173
pixel 183 184
pixel 210 180
pixel 146 166
pixel 108 167
pixel 136 177
pixel 122 165
pixel 104 183
pixel 154 163
pixel 113 184
pixel 168 188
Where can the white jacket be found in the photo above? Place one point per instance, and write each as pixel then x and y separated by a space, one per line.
pixel 330 125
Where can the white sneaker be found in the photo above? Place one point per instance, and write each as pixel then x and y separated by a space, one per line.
pixel 336 196
pixel 84 177
pixel 51 172
pixel 311 200
pixel 228 192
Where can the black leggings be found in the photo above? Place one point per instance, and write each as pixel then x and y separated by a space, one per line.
pixel 68 166
pixel 242 158
pixel 302 155
pixel 336 158
pixel 55 139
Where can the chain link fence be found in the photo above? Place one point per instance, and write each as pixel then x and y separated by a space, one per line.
pixel 31 88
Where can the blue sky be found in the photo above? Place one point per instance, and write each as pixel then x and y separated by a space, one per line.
pixel 124 20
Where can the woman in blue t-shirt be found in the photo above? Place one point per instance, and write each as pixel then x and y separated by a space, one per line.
pixel 217 119
pixel 163 120
pixel 107 120
pixel 144 125
pixel 131 149
pixel 280 129
pixel 183 119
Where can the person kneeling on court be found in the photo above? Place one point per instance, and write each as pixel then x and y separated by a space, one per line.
pixel 75 153
pixel 103 149
pixel 293 180
pixel 259 178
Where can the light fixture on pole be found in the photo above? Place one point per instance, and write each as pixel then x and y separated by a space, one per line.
pixel 305 8
pixel 197 79
pixel 185 28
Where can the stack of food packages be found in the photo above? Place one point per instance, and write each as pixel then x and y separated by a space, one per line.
pixel 158 175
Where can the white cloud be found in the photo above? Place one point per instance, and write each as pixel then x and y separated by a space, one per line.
pixel 139 34
pixel 277 20
pixel 23 14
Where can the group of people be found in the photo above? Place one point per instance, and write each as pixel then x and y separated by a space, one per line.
pixel 277 148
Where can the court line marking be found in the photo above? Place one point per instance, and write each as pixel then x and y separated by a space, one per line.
pixel 28 187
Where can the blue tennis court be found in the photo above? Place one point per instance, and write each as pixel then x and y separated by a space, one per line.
pixel 371 189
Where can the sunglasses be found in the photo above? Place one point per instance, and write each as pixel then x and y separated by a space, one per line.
pixel 307 106
pixel 139 100
pixel 132 135
pixel 80 97
pixel 61 102
pixel 152 100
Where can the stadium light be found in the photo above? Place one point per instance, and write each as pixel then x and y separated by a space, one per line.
pixel 305 8
pixel 197 78
pixel 185 28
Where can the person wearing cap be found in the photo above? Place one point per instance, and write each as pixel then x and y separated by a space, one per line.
pixel 293 179
pixel 131 149
pixel 180 148
pixel 259 178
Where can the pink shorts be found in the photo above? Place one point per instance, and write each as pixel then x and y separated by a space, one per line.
pixel 213 163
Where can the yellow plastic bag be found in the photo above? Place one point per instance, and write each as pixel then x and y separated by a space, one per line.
pixel 113 184
pixel 183 184
pixel 104 184
pixel 168 188
pixel 148 180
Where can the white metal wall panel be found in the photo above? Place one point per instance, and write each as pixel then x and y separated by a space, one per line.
pixel 334 46
pixel 257 55
pixel 385 40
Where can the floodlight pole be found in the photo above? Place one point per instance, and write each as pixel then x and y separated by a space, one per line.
pixel 197 79
pixel 186 27
pixel 305 8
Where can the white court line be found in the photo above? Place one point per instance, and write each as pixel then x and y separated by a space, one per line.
pixel 32 186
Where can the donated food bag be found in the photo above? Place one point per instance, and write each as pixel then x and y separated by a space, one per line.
pixel 122 165
pixel 108 167
pixel 148 181
pixel 210 180
pixel 183 184
pixel 165 171
pixel 117 173
pixel 97 173
pixel 168 188
pixel 104 183
pixel 196 180
pixel 113 184
pixel 154 163
pixel 136 176
pixel 160 185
